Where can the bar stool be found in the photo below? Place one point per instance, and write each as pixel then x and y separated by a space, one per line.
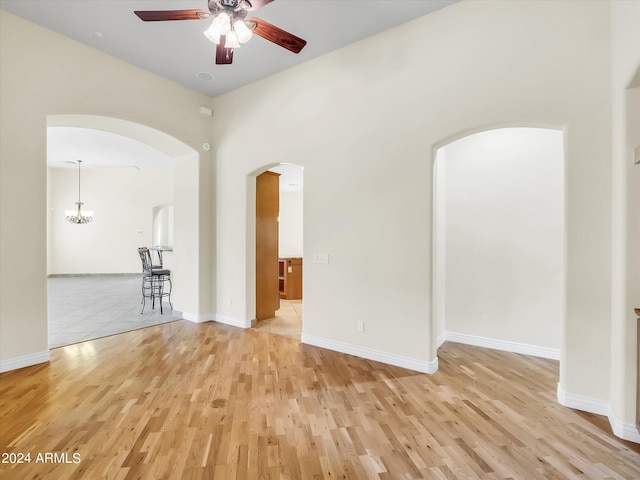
pixel 154 279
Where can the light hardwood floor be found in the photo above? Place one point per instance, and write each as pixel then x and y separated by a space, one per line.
pixel 210 401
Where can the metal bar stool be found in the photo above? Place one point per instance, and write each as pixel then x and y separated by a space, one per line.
pixel 154 279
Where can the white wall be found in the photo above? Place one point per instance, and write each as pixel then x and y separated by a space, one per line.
pixel 163 225
pixel 504 243
pixel 366 135
pixel 290 226
pixel 123 203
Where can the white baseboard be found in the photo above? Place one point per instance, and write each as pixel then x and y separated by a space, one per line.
pixel 505 345
pixel 441 339
pixel 214 317
pixel 198 317
pixel 236 322
pixel 580 402
pixel 625 431
pixel 24 361
pixel 371 354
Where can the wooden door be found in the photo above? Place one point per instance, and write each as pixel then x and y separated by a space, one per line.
pixel 267 207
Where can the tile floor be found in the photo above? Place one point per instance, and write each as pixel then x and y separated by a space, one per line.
pixel 87 307
pixel 287 322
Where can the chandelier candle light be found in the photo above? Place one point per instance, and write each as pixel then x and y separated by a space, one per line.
pixel 78 216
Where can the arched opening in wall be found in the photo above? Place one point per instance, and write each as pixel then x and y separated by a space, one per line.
pixel 279 250
pixel 498 234
pixel 94 270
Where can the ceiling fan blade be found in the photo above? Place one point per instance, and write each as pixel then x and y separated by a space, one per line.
pixel 224 56
pixel 162 15
pixel 277 35
pixel 256 4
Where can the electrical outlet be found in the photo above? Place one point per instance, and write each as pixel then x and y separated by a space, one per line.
pixel 360 326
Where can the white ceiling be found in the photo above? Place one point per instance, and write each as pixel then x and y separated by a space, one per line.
pixel 99 149
pixel 178 50
pixel 105 150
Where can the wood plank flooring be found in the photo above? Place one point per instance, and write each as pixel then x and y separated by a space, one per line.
pixel 210 401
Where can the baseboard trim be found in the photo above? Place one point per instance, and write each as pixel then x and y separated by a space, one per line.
pixel 580 402
pixel 625 431
pixel 371 354
pixel 24 361
pixel 214 317
pixel 198 317
pixel 236 322
pixel 505 345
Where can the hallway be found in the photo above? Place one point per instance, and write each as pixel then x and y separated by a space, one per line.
pixel 287 322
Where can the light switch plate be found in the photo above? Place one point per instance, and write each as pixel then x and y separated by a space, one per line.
pixel 322 258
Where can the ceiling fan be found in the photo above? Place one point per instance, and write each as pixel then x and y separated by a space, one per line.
pixel 230 27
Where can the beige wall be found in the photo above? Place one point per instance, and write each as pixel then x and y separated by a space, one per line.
pixel 366 131
pixel 366 128
pixel 625 214
pixel 45 74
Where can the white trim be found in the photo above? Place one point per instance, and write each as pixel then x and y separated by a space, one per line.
pixel 625 431
pixel 514 347
pixel 198 318
pixel 24 361
pixel 371 354
pixel 580 402
pixel 441 339
pixel 236 322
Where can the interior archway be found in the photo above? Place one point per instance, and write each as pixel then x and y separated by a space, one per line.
pixel 287 317
pixel 503 188
pixel 127 200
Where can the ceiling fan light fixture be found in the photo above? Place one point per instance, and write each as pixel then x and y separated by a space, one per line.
pixel 212 34
pixel 243 32
pixel 232 40
pixel 222 23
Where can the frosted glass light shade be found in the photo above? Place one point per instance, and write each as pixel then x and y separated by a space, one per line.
pixel 244 33
pixel 212 34
pixel 222 23
pixel 232 40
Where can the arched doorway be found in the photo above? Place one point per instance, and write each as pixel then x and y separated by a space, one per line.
pixel 98 262
pixel 499 236
pixel 279 250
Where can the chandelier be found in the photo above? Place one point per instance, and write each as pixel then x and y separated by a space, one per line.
pixel 232 32
pixel 78 216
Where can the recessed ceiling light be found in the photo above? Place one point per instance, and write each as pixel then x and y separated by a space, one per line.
pixel 99 34
pixel 204 76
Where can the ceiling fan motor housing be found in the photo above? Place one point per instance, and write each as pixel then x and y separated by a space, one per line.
pixel 217 5
pixel 234 8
